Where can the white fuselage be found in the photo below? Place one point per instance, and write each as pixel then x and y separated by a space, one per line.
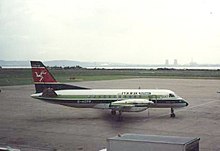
pixel 104 98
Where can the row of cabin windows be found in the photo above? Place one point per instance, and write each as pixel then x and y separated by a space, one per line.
pixel 122 96
pixel 168 101
pixel 115 96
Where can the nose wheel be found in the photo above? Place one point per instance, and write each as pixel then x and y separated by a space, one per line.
pixel 172 114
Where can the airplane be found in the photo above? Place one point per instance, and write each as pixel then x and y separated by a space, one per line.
pixel 115 100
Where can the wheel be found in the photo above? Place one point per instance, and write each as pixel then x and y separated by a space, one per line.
pixel 113 112
pixel 120 118
pixel 172 115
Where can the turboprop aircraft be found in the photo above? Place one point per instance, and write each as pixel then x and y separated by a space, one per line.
pixel 116 100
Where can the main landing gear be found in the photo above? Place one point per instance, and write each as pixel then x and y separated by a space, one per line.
pixel 120 115
pixel 172 114
pixel 113 112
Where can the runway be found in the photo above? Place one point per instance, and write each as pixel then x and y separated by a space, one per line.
pixel 30 124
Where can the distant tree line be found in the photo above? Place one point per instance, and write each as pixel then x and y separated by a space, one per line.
pixel 74 67
pixel 77 67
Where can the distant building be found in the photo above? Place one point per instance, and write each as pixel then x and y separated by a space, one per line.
pixel 175 62
pixel 167 62
pixel 192 63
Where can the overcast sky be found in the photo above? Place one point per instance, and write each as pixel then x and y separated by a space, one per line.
pixel 124 31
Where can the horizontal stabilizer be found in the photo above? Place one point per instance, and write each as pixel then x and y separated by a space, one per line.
pixel 56 86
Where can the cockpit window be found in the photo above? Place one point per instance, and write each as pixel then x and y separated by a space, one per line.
pixel 171 95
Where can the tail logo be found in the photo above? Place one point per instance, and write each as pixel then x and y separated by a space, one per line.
pixel 40 75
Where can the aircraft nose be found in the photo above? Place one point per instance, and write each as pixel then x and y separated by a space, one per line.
pixel 183 101
pixel 186 102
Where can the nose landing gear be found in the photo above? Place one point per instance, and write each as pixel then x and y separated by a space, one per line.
pixel 172 114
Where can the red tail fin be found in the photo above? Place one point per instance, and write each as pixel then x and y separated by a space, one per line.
pixel 43 79
pixel 40 73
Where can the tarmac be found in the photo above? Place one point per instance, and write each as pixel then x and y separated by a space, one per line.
pixel 31 124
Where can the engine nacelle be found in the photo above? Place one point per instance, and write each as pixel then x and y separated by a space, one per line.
pixel 133 102
pixel 131 105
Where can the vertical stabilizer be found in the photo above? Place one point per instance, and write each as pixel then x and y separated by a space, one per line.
pixel 41 74
pixel 43 79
